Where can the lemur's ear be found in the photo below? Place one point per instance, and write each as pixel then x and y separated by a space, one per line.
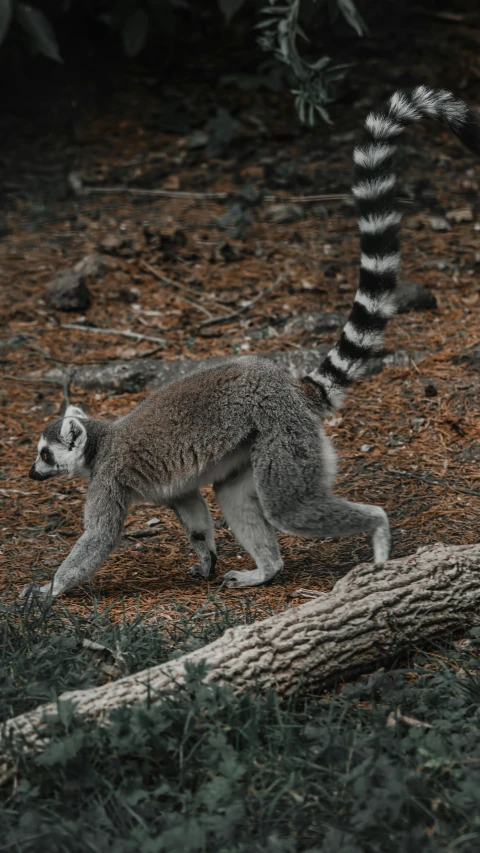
pixel 73 433
pixel 74 412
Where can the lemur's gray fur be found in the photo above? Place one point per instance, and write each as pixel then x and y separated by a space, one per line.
pixel 246 426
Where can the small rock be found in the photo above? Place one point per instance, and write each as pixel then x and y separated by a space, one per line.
pixel 314 322
pixel 210 332
pixel 365 448
pixel 91 266
pixel 152 521
pixel 126 352
pixel 68 292
pixel 469 454
pixel 75 182
pixel 417 422
pixel 347 136
pixel 439 223
pixel 283 213
pixel 112 243
pixel 411 296
pixel 198 139
pixel 250 194
pixel 460 214
pixel 414 223
pixel 320 211
pixel 14 342
pixel 470 357
pixel 394 441
pixel 234 219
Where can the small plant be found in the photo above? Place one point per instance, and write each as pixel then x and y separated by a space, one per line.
pixel 388 764
pixel 34 23
pixel 281 29
pixel 134 22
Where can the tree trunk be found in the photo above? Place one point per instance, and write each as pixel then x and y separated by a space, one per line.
pixel 371 614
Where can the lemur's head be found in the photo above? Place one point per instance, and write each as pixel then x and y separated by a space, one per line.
pixel 61 449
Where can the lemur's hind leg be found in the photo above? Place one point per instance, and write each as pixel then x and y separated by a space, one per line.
pixel 335 516
pixel 308 508
pixel 242 511
pixel 195 518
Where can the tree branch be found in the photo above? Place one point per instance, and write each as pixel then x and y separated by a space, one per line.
pixel 370 615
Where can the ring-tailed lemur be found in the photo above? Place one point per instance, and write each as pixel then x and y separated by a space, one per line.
pixel 246 426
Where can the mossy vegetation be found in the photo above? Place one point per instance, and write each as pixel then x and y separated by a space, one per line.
pixel 391 763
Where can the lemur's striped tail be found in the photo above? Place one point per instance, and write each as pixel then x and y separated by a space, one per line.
pixel 378 222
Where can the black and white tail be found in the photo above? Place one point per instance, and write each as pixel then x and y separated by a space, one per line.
pixel 378 223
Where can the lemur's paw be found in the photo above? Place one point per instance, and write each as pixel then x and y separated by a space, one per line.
pixel 234 580
pixel 36 592
pixel 198 571
pixel 256 577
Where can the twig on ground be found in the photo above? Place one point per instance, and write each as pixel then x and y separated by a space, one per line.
pixel 147 353
pixel 306 593
pixel 166 280
pixel 140 533
pixel 47 355
pixel 280 278
pixel 189 301
pixel 162 193
pixel 395 717
pixel 136 336
pixel 432 481
pixel 218 196
pixel 31 381
pixel 43 352
pixel 64 382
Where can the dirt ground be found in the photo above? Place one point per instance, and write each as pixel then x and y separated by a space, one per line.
pixel 425 474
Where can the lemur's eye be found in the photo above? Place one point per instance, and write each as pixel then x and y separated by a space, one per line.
pixel 44 455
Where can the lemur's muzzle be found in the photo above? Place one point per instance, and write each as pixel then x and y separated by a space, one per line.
pixel 35 475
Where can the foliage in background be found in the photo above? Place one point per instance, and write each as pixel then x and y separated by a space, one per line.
pixel 281 29
pixel 389 765
pixel 43 656
pixel 282 24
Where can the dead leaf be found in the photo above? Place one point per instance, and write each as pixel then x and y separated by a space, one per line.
pixel 460 214
pixel 439 223
pixel 471 300
pixel 126 352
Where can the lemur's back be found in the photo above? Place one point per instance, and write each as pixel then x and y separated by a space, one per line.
pixel 234 402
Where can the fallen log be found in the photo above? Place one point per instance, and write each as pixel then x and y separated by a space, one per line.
pixel 369 616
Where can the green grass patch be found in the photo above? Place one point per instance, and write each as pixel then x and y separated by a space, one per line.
pixel 204 770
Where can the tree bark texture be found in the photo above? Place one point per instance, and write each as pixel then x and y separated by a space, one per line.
pixel 371 614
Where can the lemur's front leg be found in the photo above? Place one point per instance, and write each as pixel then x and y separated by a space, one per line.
pixel 105 514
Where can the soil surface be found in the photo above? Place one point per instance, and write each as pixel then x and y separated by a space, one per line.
pixel 171 264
